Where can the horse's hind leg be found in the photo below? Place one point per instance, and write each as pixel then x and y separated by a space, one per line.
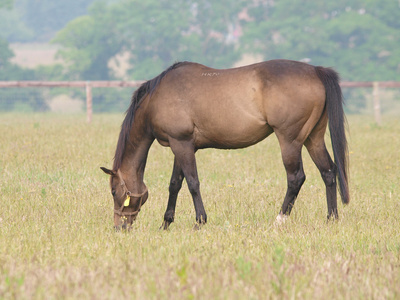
pixel 316 147
pixel 174 188
pixel 291 156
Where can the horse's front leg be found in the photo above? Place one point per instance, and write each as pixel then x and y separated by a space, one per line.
pixel 185 156
pixel 174 188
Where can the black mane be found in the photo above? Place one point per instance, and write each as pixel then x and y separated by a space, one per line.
pixel 145 89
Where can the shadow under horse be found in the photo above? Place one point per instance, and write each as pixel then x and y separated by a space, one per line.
pixel 190 106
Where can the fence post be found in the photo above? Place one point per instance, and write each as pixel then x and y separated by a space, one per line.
pixel 377 105
pixel 89 108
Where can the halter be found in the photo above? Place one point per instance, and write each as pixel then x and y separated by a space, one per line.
pixel 120 211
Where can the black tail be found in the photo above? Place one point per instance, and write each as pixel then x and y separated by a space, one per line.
pixel 337 120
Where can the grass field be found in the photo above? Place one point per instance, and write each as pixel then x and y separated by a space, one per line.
pixel 56 229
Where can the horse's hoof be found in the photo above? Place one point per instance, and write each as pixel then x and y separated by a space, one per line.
pixel 334 216
pixel 332 219
pixel 165 225
pixel 280 219
pixel 197 226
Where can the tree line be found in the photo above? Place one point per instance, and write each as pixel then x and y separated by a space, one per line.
pixel 359 38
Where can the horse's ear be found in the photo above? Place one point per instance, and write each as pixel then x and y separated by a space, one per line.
pixel 107 171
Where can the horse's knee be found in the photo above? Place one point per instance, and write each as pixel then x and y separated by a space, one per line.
pixel 296 180
pixel 175 185
pixel 193 185
pixel 329 176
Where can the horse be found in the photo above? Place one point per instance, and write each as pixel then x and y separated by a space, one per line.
pixel 190 106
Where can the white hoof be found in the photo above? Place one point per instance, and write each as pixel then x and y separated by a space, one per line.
pixel 280 219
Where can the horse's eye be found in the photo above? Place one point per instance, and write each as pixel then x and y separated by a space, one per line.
pixel 113 192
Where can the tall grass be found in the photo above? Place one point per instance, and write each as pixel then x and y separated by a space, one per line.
pixel 57 239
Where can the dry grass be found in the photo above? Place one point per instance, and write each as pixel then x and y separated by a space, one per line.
pixel 31 55
pixel 57 240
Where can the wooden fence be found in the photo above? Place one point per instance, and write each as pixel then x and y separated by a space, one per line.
pixel 88 85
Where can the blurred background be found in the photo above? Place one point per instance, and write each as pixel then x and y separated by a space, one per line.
pixel 68 40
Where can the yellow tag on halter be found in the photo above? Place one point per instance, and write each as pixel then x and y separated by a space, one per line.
pixel 127 200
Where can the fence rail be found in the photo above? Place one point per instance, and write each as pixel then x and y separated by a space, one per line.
pixel 82 84
pixel 88 85
pixel 383 84
pixel 376 85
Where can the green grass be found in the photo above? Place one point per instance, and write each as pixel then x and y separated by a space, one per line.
pixel 56 228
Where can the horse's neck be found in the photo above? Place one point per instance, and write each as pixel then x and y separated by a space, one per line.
pixel 134 163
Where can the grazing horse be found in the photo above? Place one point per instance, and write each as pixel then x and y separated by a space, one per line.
pixel 190 106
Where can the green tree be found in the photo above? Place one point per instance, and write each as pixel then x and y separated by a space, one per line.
pixel 359 38
pixel 27 99
pixel 5 52
pixel 88 44
pixel 46 17
pixel 152 32
pixel 156 33
pixel 12 28
pixel 6 3
pixel 212 41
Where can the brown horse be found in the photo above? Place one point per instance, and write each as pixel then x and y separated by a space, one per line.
pixel 190 106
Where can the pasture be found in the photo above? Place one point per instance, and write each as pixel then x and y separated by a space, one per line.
pixel 56 228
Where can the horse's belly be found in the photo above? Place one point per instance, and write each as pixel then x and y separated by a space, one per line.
pixel 231 136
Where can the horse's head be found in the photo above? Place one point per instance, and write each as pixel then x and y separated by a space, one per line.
pixel 126 204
